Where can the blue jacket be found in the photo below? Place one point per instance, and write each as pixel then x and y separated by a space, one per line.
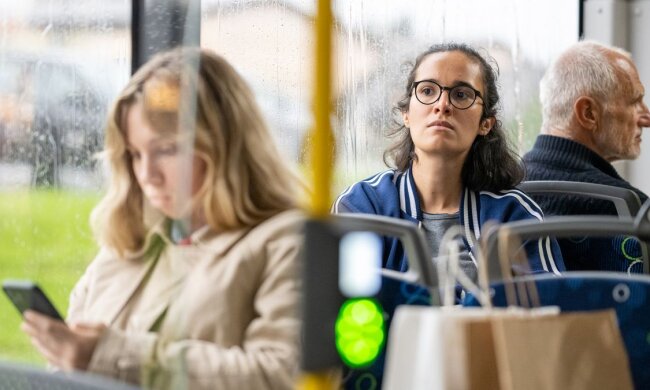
pixel 392 193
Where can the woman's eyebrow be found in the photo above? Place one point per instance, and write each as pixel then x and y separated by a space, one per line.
pixel 151 143
pixel 455 83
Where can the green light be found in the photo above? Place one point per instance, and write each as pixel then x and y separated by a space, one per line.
pixel 360 331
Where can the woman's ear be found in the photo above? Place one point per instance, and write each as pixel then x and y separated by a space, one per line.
pixel 405 118
pixel 486 125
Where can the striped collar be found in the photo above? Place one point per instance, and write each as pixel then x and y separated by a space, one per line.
pixel 409 203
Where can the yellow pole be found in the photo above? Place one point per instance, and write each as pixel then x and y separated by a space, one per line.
pixel 318 381
pixel 322 148
pixel 322 151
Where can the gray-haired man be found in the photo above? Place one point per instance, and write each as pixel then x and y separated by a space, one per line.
pixel 592 114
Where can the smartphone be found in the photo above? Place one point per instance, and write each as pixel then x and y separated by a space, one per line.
pixel 25 294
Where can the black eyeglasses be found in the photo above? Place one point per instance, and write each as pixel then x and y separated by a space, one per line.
pixel 461 96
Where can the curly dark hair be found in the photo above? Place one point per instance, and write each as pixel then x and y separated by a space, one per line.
pixel 491 163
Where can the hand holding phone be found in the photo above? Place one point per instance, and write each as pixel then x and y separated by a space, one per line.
pixel 26 295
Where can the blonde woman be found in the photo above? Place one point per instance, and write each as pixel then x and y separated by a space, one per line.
pixel 195 284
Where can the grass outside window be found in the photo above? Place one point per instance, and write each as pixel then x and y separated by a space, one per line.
pixel 45 237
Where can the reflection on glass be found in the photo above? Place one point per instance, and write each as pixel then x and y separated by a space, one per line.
pixel 61 63
pixel 272 44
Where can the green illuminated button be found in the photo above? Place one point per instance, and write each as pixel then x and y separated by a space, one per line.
pixel 360 331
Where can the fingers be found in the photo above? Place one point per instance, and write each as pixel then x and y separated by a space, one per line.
pixel 49 336
pixel 66 347
pixel 34 317
pixel 44 333
pixel 36 324
pixel 47 353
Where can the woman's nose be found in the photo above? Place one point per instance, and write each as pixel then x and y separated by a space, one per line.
pixel 443 104
pixel 149 172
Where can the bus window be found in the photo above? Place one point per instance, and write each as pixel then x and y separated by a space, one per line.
pixel 272 44
pixel 61 64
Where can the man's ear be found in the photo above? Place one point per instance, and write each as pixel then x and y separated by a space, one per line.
pixel 587 112
pixel 486 125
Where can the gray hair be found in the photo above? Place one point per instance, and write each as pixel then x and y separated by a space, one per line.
pixel 584 69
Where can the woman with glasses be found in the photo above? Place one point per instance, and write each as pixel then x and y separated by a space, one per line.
pixel 196 284
pixel 451 165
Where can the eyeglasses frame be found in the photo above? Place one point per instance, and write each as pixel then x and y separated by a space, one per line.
pixel 448 89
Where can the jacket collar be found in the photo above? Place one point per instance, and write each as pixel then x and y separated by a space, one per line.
pixel 469 217
pixel 409 203
pixel 138 265
pixel 206 237
pixel 135 267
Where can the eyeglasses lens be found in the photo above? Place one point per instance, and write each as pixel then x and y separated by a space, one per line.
pixel 461 96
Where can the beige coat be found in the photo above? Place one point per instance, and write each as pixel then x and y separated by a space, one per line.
pixel 231 321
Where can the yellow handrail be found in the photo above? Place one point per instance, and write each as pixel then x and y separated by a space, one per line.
pixel 322 146
pixel 322 151
pixel 318 381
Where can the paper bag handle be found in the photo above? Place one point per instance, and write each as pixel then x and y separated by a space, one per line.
pixel 449 271
pixel 526 294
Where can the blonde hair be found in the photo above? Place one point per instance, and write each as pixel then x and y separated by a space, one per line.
pixel 246 181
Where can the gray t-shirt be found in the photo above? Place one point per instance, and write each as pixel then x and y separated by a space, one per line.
pixel 435 226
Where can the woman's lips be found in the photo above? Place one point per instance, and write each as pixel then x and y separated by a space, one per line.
pixel 441 124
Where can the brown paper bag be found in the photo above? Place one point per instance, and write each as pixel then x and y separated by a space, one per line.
pixel 482 363
pixel 471 361
pixel 433 348
pixel 572 350
pixel 575 350
pixel 535 349
pixel 469 347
